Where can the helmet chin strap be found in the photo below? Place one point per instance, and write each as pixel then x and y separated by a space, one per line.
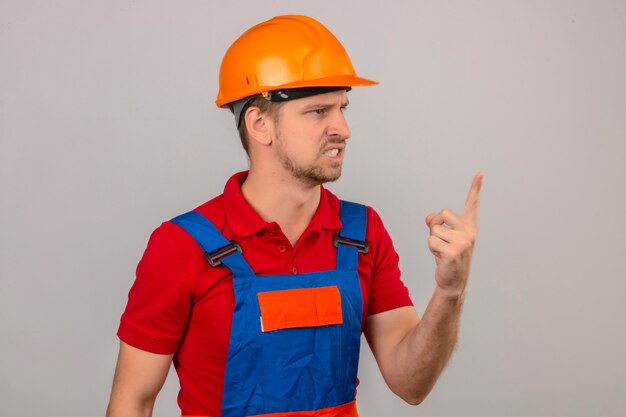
pixel 278 96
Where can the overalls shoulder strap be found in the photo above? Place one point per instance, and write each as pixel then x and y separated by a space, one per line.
pixel 212 241
pixel 350 241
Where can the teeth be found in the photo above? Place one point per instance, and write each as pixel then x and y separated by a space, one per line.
pixel 332 152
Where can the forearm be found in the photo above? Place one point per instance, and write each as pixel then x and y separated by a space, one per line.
pixel 411 353
pixel 424 352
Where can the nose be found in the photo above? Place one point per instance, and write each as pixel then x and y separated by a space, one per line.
pixel 338 126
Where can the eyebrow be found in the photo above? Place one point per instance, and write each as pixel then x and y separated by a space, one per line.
pixel 320 105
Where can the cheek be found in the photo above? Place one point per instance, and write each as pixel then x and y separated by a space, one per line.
pixel 301 143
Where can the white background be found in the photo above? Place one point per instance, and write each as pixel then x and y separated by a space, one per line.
pixel 108 128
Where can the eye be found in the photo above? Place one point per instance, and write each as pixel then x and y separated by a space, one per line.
pixel 318 112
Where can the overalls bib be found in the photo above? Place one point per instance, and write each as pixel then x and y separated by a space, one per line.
pixel 294 343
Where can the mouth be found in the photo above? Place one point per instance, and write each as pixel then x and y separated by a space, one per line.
pixel 334 153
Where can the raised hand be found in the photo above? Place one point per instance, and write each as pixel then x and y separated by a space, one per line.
pixel 452 239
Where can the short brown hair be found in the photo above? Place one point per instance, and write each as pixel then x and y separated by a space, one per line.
pixel 265 106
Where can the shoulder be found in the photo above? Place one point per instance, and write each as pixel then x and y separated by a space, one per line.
pixel 376 234
pixel 169 242
pixel 335 204
pixel 373 220
pixel 214 211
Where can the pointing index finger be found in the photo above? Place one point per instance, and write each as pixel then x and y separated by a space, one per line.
pixel 471 204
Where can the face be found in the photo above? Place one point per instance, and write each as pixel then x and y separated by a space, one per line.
pixel 310 137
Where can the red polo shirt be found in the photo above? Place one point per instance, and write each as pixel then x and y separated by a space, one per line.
pixel 180 304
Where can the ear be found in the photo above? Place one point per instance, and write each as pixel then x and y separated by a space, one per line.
pixel 259 126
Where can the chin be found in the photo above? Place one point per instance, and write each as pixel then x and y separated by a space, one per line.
pixel 333 175
pixel 333 178
pixel 314 175
pixel 318 178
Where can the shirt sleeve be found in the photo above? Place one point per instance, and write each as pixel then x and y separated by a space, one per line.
pixel 158 305
pixel 387 291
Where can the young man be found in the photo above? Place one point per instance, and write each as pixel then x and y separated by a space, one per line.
pixel 260 295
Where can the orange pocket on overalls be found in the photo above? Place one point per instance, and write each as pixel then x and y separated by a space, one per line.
pixel 301 307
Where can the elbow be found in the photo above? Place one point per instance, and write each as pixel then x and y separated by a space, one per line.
pixel 415 395
pixel 416 400
pixel 412 397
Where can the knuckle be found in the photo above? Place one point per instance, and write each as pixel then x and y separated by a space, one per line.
pixel 436 222
pixel 453 253
pixel 465 245
pixel 471 233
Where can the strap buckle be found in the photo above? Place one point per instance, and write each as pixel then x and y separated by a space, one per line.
pixel 215 258
pixel 362 245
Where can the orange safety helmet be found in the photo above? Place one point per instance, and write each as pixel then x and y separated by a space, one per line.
pixel 285 52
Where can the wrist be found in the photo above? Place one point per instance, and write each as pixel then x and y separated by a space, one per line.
pixel 456 296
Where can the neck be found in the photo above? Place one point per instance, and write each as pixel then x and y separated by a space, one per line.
pixel 280 198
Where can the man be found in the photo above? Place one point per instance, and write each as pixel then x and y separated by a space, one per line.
pixel 259 296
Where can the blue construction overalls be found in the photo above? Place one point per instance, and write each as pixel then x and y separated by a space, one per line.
pixel 294 343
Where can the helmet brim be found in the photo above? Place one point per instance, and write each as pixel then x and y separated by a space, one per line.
pixel 334 81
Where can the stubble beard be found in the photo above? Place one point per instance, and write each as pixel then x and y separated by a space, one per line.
pixel 313 174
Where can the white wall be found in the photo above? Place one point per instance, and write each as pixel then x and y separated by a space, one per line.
pixel 107 128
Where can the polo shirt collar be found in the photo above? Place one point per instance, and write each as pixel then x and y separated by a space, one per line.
pixel 245 221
